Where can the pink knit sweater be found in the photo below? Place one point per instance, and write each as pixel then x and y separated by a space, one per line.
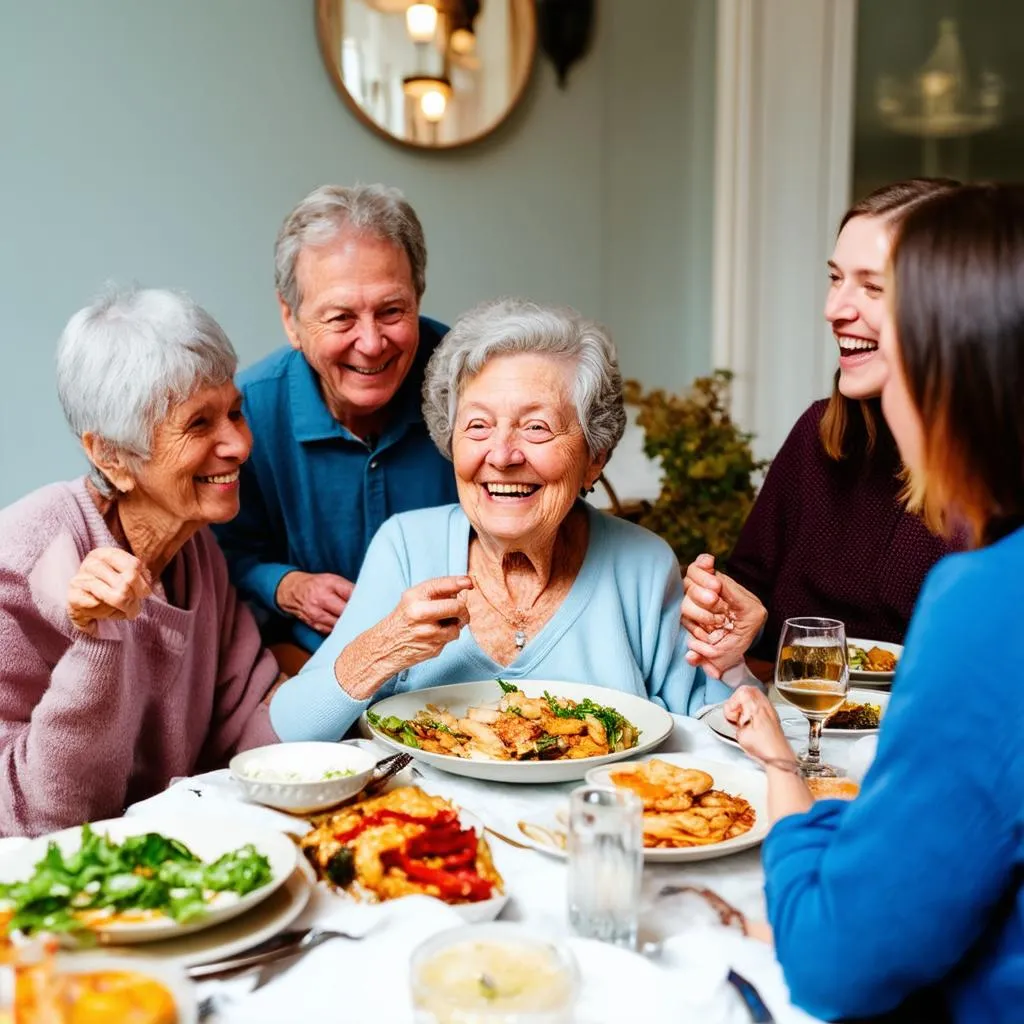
pixel 90 725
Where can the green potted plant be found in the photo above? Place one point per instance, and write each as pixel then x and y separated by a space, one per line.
pixel 708 467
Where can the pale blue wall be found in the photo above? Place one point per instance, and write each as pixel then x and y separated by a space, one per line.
pixel 163 142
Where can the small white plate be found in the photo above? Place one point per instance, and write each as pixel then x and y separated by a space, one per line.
pixel 169 975
pixel 730 778
pixel 874 678
pixel 206 839
pixel 653 721
pixel 714 718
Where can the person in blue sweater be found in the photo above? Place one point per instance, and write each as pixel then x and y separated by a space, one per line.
pixel 339 442
pixel 521 578
pixel 910 899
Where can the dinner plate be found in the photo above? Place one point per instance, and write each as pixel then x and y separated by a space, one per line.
pixel 737 780
pixel 273 915
pixel 874 678
pixel 653 721
pixel 206 839
pixel 714 718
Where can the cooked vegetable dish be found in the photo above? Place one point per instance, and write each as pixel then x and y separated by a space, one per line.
pixel 517 728
pixel 873 660
pixel 403 843
pixel 850 715
pixel 104 882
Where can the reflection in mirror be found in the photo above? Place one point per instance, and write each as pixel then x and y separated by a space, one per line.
pixel 431 74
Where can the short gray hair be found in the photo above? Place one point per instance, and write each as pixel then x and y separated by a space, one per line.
pixel 506 326
pixel 123 360
pixel 374 210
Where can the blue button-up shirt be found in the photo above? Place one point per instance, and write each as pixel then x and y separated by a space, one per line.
pixel 312 493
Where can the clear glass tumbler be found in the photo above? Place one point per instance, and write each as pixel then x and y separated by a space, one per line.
pixel 606 861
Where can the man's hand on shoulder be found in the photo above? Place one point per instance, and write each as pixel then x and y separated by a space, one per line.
pixel 317 599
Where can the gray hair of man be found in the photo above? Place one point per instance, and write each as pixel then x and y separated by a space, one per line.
pixel 507 326
pixel 126 358
pixel 374 210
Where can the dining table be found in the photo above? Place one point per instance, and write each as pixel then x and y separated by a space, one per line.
pixel 366 978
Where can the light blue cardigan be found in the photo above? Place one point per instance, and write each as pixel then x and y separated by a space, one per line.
pixel 618 626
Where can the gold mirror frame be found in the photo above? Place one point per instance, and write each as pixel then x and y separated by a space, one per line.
pixel 328 21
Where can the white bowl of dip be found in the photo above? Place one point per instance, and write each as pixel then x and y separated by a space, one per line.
pixel 302 777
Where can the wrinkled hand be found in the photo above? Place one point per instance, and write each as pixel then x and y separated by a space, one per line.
pixel 758 729
pixel 428 617
pixel 317 599
pixel 110 584
pixel 722 618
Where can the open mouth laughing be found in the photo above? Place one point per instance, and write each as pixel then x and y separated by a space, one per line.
pixel 850 346
pixel 369 371
pixel 510 492
pixel 219 478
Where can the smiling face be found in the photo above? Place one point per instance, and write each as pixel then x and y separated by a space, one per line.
pixel 855 306
pixel 519 451
pixel 357 324
pixel 192 474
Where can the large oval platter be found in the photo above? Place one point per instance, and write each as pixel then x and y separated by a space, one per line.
pixel 653 721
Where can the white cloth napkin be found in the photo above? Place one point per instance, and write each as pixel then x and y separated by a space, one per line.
pixel 216 795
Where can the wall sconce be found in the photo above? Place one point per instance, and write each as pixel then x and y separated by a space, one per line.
pixel 565 28
pixel 421 22
pixel 431 92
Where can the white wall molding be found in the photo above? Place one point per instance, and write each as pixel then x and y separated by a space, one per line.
pixel 782 177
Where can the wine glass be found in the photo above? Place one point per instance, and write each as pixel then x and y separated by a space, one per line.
pixel 813 675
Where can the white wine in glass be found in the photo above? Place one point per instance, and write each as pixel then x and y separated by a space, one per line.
pixel 812 674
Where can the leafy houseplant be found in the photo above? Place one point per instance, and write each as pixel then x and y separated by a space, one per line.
pixel 708 466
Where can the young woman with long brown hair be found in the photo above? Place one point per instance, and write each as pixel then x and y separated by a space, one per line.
pixel 911 898
pixel 830 533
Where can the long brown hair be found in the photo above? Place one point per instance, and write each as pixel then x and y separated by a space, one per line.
pixel 958 294
pixel 848 424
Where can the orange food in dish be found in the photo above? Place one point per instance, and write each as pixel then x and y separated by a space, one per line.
pixel 832 789
pixel 98 997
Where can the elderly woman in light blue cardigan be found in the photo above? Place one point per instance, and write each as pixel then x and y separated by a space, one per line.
pixel 521 579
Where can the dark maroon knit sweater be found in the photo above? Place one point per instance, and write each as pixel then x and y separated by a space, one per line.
pixel 832 538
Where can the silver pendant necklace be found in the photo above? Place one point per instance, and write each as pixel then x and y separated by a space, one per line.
pixel 518 620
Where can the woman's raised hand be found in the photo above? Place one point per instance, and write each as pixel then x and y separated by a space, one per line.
pixel 722 618
pixel 110 584
pixel 429 616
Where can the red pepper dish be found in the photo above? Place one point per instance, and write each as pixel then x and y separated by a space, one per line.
pixel 403 843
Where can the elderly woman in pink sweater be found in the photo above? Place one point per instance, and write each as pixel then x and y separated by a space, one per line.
pixel 127 657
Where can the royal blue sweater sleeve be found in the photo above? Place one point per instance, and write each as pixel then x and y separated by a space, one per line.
pixel 874 900
pixel 312 705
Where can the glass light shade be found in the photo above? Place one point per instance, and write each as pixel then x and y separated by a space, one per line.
pixel 462 42
pixel 433 104
pixel 421 22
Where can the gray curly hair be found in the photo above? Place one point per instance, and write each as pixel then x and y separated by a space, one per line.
pixel 375 210
pixel 505 326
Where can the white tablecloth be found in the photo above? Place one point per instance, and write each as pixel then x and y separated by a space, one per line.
pixel 367 981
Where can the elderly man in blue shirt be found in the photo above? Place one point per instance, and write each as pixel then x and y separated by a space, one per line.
pixel 339 439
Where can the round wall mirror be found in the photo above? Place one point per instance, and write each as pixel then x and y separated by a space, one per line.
pixel 432 74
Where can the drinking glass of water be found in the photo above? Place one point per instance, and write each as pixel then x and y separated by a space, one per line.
pixel 606 862
pixel 812 674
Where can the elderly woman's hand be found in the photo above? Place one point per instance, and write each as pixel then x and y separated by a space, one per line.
pixel 428 617
pixel 758 729
pixel 110 584
pixel 722 617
